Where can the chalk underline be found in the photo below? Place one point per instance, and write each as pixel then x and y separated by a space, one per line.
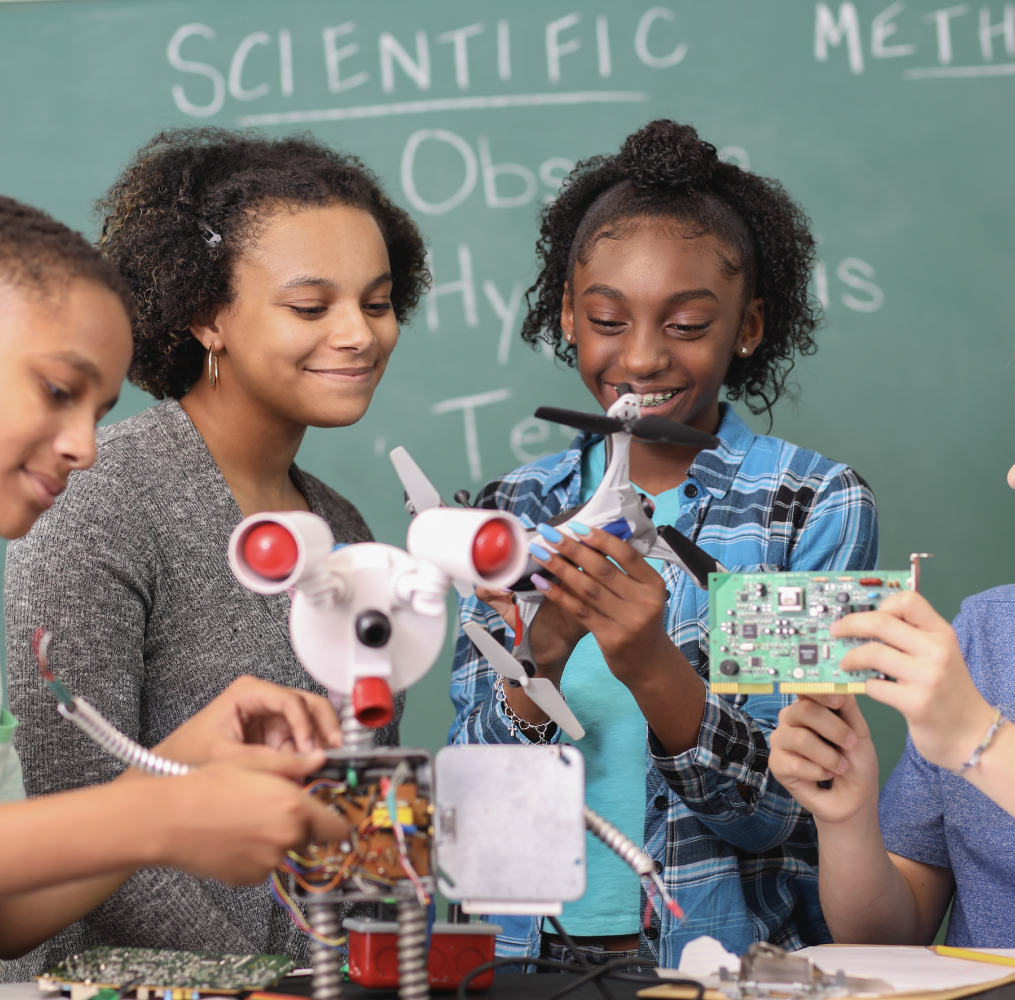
pixel 937 72
pixel 445 104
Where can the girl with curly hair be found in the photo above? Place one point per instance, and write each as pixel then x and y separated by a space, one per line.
pixel 684 277
pixel 270 278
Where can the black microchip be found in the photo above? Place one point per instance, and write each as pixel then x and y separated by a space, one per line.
pixel 863 607
pixel 756 661
pixel 750 631
pixel 808 654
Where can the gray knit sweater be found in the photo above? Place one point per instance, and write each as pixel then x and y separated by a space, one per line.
pixel 129 572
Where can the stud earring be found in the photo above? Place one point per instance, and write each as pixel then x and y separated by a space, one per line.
pixel 213 368
pixel 743 350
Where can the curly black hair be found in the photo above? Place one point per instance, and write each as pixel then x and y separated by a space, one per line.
pixel 38 252
pixel 190 203
pixel 666 170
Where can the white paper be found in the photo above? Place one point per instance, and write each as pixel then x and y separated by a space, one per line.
pixel 909 969
pixel 703 957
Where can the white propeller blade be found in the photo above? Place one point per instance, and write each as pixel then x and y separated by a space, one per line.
pixel 422 493
pixel 540 689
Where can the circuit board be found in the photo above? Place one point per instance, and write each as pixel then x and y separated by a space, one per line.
pixel 175 975
pixel 769 631
pixel 386 798
pixel 374 848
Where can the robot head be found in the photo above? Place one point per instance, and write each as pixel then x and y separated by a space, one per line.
pixel 366 619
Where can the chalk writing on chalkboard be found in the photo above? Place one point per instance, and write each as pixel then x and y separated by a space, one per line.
pixel 901 32
pixel 350 58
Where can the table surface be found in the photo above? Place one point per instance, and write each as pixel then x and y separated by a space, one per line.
pixel 507 986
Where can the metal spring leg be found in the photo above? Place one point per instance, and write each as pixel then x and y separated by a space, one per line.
pixel 327 981
pixel 413 978
pixel 355 736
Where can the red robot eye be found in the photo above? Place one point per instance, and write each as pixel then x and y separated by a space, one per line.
pixel 270 551
pixel 493 548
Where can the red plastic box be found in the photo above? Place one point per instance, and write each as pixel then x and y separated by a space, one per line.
pixel 455 950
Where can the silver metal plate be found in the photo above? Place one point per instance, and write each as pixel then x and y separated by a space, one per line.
pixel 510 827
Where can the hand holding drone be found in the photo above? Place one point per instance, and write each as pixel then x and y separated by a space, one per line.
pixel 616 507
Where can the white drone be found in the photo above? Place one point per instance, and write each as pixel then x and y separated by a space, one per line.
pixel 616 507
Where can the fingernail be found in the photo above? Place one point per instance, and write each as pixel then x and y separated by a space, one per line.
pixel 842 766
pixel 850 741
pixel 578 528
pixel 538 551
pixel 550 533
pixel 540 582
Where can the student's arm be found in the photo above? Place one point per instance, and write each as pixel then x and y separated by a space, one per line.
pixel 932 688
pixel 98 616
pixel 231 821
pixel 868 895
pixel 479 714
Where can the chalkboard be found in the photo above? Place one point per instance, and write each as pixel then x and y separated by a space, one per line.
pixel 890 123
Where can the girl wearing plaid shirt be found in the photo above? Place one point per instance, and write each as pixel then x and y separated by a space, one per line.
pixel 678 274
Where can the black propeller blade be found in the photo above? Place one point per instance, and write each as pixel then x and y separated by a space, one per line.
pixel 596 423
pixel 648 428
pixel 653 428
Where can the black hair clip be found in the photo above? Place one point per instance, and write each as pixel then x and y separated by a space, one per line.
pixel 212 238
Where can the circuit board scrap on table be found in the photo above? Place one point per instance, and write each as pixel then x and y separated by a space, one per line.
pixel 768 632
pixel 173 975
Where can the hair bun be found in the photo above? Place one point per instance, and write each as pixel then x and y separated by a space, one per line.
pixel 663 153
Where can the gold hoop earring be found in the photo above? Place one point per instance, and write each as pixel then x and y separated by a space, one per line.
pixel 213 368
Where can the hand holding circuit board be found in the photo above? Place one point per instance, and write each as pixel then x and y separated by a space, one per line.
pixel 773 631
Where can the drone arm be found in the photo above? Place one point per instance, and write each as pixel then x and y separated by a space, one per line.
pixel 676 548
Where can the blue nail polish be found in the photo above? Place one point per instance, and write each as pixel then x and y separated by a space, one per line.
pixel 578 528
pixel 550 533
pixel 538 551
pixel 540 582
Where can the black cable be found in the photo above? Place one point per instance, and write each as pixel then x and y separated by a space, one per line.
pixel 612 967
pixel 540 963
pixel 599 971
pixel 579 956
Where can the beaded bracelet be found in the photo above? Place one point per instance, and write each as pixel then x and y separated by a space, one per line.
pixel 974 759
pixel 518 723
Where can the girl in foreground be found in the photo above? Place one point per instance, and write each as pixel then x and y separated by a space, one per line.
pixel 944 827
pixel 64 348
pixel 683 276
pixel 270 277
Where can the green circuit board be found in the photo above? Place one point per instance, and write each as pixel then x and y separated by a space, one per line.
pixel 769 631
pixel 175 975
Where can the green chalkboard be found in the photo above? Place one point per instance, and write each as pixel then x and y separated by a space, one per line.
pixel 891 124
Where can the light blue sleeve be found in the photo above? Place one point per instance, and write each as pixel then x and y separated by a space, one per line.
pixel 12 786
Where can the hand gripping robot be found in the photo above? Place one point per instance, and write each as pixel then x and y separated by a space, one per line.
pixel 616 507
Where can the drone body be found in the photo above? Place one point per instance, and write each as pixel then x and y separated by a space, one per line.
pixel 615 506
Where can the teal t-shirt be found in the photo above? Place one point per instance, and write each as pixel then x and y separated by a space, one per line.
pixel 614 751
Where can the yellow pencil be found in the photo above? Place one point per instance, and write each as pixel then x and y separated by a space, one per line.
pixel 972 956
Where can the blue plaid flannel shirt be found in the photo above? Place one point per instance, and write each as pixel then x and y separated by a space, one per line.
pixel 744 870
